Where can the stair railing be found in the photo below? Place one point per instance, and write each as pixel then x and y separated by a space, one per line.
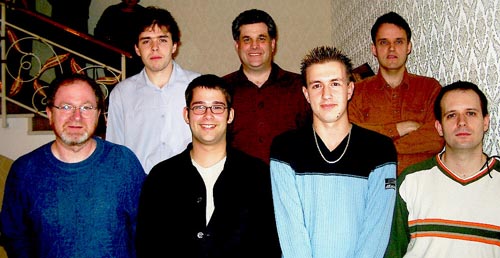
pixel 39 65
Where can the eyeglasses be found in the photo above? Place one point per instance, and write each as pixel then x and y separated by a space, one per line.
pixel 201 110
pixel 85 110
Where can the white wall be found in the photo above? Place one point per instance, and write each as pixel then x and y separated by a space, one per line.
pixel 15 140
pixel 207 45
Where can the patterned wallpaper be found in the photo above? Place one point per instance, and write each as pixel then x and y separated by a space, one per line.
pixel 452 40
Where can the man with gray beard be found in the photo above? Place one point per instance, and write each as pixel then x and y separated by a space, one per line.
pixel 76 196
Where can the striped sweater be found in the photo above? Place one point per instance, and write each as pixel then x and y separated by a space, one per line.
pixel 440 215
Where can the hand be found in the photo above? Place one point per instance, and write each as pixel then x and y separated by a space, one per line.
pixel 407 127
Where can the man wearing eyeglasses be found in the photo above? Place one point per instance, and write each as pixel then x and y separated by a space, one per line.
pixel 210 200
pixel 78 195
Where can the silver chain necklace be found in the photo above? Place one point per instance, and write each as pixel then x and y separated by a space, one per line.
pixel 320 153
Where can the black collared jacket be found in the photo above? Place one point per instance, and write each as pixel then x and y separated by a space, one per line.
pixel 171 218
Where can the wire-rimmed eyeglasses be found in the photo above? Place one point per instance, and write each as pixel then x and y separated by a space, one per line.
pixel 201 110
pixel 85 110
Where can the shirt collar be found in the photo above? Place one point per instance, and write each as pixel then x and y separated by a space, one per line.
pixel 272 77
pixel 405 83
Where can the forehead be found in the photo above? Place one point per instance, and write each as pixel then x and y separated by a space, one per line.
pixel 203 94
pixel 327 71
pixel 75 91
pixel 460 99
pixel 154 30
pixel 254 29
pixel 389 30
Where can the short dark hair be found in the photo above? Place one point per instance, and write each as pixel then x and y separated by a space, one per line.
pixel 153 15
pixel 391 18
pixel 460 86
pixel 209 81
pixel 325 54
pixel 254 16
pixel 71 78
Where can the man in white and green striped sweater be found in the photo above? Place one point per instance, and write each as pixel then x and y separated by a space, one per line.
pixel 447 206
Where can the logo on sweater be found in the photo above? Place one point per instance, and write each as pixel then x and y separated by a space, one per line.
pixel 390 183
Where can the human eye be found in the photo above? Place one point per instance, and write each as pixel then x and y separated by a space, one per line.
pixel 86 108
pixel 262 38
pixel 471 113
pixel 164 40
pixel 383 42
pixel 66 107
pixel 335 84
pixel 315 86
pixel 199 109
pixel 144 42
pixel 218 108
pixel 450 115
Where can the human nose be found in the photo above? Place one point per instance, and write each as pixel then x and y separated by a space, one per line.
pixel 462 120
pixel 155 44
pixel 76 113
pixel 392 46
pixel 327 93
pixel 254 44
pixel 208 113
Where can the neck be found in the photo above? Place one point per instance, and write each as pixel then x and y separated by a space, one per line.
pixel 207 155
pixel 393 77
pixel 332 134
pixel 464 164
pixel 258 76
pixel 162 77
pixel 128 9
pixel 73 153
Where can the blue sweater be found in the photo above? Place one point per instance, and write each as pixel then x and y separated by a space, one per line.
pixel 86 209
pixel 333 210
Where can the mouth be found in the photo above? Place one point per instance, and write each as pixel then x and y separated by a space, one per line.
pixel 462 134
pixel 205 126
pixel 328 106
pixel 74 127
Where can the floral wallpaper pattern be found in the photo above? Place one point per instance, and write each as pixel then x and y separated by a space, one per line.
pixel 452 40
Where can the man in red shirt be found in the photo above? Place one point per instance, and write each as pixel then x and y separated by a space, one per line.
pixel 267 99
pixel 394 102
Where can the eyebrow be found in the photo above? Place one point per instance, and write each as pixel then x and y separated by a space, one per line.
pixel 258 36
pixel 388 39
pixel 204 102
pixel 467 109
pixel 84 103
pixel 332 80
pixel 159 37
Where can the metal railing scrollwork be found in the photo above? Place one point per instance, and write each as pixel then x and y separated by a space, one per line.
pixel 30 60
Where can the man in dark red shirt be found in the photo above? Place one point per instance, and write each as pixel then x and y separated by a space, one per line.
pixel 267 99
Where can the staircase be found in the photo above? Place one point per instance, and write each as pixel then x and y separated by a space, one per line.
pixel 35 50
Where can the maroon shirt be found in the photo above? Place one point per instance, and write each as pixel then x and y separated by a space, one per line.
pixel 262 113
